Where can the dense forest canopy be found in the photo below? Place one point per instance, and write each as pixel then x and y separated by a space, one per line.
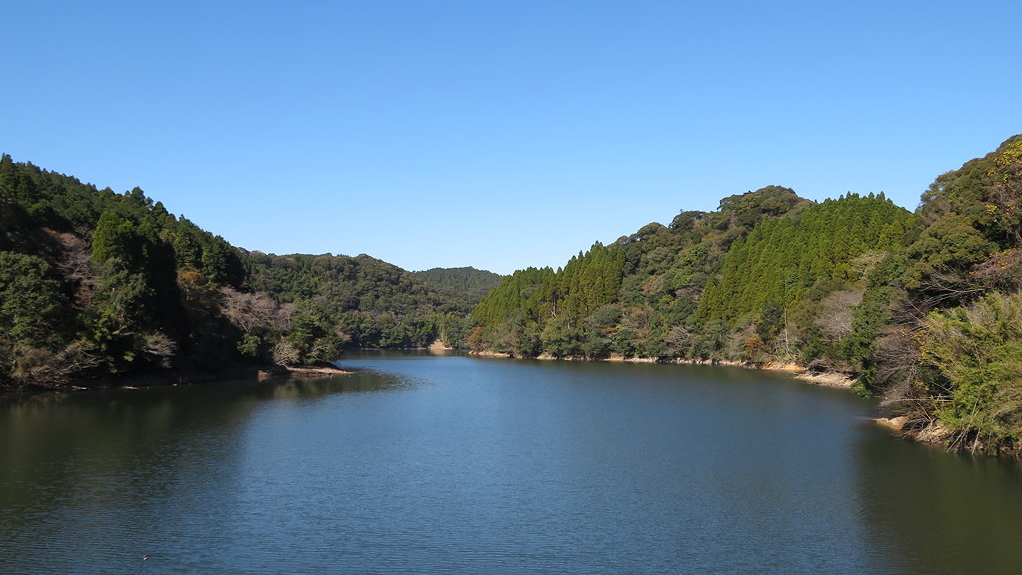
pixel 750 280
pixel 367 302
pixel 460 280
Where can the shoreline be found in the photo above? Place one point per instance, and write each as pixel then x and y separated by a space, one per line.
pixel 798 371
pixel 186 376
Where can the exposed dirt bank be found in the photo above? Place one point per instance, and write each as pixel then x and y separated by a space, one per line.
pixel 439 345
pixel 490 354
pixel 838 380
pixel 929 432
pixel 800 372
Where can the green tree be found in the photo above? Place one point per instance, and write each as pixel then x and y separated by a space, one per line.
pixel 34 321
pixel 32 305
pixel 979 350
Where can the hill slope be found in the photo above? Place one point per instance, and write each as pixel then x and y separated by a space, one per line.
pixel 95 284
pixel 466 280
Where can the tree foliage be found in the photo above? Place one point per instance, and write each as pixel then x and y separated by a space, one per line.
pixel 960 300
pixel 747 281
pixel 362 301
pixel 540 309
pixel 460 280
pixel 978 352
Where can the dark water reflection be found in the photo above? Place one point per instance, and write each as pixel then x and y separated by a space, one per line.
pixel 420 464
pixel 934 512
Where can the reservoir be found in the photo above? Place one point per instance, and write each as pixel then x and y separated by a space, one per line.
pixel 450 464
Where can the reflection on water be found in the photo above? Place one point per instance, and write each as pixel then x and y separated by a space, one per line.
pixel 448 464
pixel 935 512
pixel 101 466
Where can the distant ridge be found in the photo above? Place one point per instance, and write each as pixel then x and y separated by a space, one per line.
pixel 466 280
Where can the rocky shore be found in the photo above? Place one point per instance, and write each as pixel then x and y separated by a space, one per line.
pixel 825 379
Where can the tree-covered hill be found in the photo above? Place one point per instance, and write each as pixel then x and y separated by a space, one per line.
pixel 98 283
pixel 950 352
pixel 711 286
pixel 922 307
pixel 466 280
pixel 366 302
pixel 95 284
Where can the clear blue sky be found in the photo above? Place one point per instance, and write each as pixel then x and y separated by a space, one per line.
pixel 499 134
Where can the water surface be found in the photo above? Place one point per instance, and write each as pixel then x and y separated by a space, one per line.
pixel 450 464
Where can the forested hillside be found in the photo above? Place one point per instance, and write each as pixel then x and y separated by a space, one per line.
pixel 711 286
pixel 367 302
pixel 95 284
pixel 460 280
pixel 950 353
pixel 922 307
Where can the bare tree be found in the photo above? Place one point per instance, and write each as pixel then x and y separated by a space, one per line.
pixel 252 310
pixel 160 347
pixel 71 255
pixel 838 310
pixel 285 353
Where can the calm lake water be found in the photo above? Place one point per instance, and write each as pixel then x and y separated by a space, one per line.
pixel 449 464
